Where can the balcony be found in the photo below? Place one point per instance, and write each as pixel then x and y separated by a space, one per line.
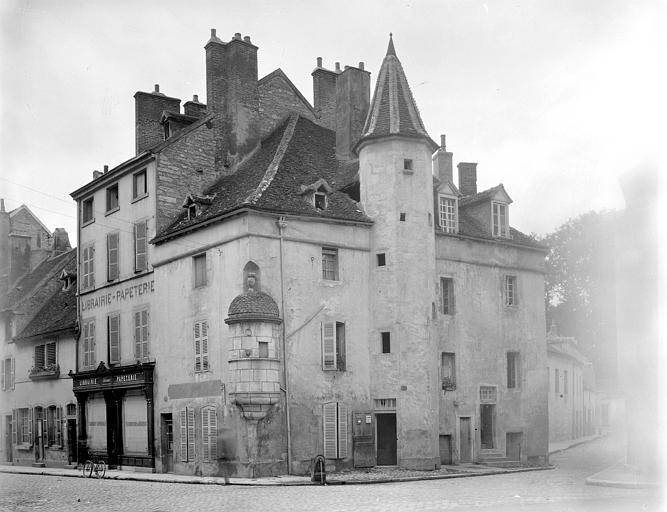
pixel 51 371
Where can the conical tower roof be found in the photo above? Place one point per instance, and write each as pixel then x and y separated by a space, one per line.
pixel 393 110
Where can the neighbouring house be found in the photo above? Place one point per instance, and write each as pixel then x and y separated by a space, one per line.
pixel 267 281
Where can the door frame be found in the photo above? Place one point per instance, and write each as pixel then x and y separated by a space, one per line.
pixel 471 436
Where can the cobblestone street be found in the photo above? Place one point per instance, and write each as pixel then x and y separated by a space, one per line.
pixel 560 489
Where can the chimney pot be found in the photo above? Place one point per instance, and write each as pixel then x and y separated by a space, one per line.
pixel 195 98
pixel 361 65
pixel 2 205
pixel 213 32
pixel 237 35
pixel 319 62
pixel 246 39
pixel 443 144
pixel 157 88
pixel 106 169
pixel 338 67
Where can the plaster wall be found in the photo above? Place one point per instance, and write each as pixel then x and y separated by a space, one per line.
pixel 566 409
pixel 482 330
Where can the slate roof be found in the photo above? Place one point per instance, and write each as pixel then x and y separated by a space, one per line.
pixel 253 305
pixel 485 195
pixel 29 282
pixel 298 152
pixel 393 110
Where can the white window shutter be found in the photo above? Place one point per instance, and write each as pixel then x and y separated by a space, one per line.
pixel 206 450
pixel 137 335
pixel 30 420
pixel 15 427
pixel 342 431
pixel 213 433
pixel 329 346
pixel 204 346
pixel 91 265
pixel 184 435
pixel 51 353
pixel 2 373
pixel 12 381
pixel 330 430
pixel 59 426
pixel 198 366
pixel 191 433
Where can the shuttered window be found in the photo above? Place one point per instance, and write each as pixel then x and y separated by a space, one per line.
pixel 140 246
pixel 333 346
pixel 88 267
pixel 112 256
pixel 209 424
pixel 335 423
pixel 201 346
pixel 45 355
pixel 114 338
pixel 88 344
pixel 187 429
pixel 141 333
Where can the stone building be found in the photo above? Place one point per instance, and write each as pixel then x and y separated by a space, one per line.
pixel 37 348
pixel 312 282
pixel 574 408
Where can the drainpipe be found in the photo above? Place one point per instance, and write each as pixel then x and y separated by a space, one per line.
pixel 282 223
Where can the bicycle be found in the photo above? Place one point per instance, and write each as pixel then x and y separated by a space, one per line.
pixel 99 468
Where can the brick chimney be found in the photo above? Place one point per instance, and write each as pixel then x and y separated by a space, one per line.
pixel 467 178
pixel 148 107
pixel 324 95
pixel 194 108
pixel 442 162
pixel 353 97
pixel 232 97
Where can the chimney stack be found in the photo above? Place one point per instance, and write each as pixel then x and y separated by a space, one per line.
pixel 324 95
pixel 193 108
pixel 233 98
pixel 442 162
pixel 96 174
pixel 148 108
pixel 467 178
pixel 353 98
pixel 60 241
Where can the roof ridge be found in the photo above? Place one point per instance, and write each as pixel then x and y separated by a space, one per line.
pixel 272 169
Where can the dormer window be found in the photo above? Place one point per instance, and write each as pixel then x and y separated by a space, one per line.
pixel 448 214
pixel 193 204
pixel 192 211
pixel 500 226
pixel 320 199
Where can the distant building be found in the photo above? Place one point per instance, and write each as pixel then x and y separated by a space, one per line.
pixel 37 347
pixel 574 407
pixel 267 280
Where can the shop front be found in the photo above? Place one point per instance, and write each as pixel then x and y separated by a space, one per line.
pixel 116 415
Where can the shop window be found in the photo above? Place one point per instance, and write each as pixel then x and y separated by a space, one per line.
pixel 333 346
pixel 209 437
pixel 334 419
pixel 329 264
pixel 201 346
pixel 141 333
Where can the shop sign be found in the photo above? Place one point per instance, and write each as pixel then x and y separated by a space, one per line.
pixel 118 296
pixel 110 380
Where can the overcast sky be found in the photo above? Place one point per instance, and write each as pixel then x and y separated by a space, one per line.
pixel 554 99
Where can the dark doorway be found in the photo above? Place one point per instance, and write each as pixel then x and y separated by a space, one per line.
pixel 445 450
pixel 386 439
pixel 114 406
pixel 9 449
pixel 167 444
pixel 465 448
pixel 486 422
pixel 71 441
pixel 513 445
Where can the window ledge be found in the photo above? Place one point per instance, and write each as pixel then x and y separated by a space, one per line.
pixel 88 222
pixel 138 198
pixel 43 373
pixel 331 282
pixel 113 210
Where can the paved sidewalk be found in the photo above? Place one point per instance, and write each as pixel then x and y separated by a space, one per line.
pixel 556 447
pixel 370 476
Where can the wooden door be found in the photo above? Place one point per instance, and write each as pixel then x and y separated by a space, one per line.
pixel 445 450
pixel 386 439
pixel 513 445
pixel 465 438
pixel 486 424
